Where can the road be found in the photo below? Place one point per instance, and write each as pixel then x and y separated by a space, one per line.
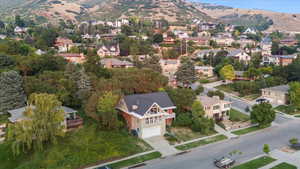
pixel 250 146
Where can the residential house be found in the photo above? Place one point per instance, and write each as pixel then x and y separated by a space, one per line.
pixel 109 50
pixel 245 42
pixel 250 31
pixel 147 115
pixel 115 63
pixel 200 41
pixel 288 42
pixel 204 34
pixel 266 45
pixel 276 95
pixel 40 52
pixel 63 44
pixel 223 41
pixel 204 53
pixel 2 36
pixel 169 40
pixel 181 34
pixel 169 68
pixel 206 26
pixel 205 71
pixel 282 60
pixel 72 120
pixel 73 57
pixel 240 55
pixel 215 108
pixel 20 30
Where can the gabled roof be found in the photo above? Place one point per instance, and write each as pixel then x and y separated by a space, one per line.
pixel 282 88
pixel 141 103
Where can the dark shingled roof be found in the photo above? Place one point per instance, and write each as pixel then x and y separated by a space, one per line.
pixel 145 101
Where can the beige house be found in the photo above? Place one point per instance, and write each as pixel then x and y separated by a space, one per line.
pixel 215 108
pixel 277 94
pixel 205 71
pixel 147 115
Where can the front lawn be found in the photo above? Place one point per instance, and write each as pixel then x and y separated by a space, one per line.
pixel 226 88
pixel 288 109
pixel 183 134
pixel 256 163
pixel 4 118
pixel 88 145
pixel 236 116
pixel 251 97
pixel 284 166
pixel 135 160
pixel 248 130
pixel 201 142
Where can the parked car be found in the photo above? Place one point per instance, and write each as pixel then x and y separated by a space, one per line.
pixel 296 146
pixel 262 100
pixel 224 162
pixel 103 167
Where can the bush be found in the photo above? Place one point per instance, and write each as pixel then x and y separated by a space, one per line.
pixel 199 90
pixel 183 120
pixel 294 141
pixel 203 125
pixel 216 93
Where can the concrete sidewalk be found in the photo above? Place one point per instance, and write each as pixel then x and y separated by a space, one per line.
pixel 228 134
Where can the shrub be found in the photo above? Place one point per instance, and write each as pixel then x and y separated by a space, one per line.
pixel 199 90
pixel 294 141
pixel 183 120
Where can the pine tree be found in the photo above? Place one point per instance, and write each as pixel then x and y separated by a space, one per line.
pixel 12 94
pixel 186 73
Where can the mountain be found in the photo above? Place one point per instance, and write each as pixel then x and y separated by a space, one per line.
pixel 78 10
pixel 280 21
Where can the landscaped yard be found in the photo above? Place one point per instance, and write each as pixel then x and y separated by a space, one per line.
pixel 135 160
pixel 84 146
pixel 251 97
pixel 288 109
pixel 256 163
pixel 183 134
pixel 201 142
pixel 284 166
pixel 3 118
pixel 247 130
pixel 235 115
pixel 226 88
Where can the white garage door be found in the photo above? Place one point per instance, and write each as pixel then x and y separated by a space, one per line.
pixel 151 131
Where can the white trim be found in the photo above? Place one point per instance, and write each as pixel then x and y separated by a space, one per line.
pixel 167 108
pixel 147 112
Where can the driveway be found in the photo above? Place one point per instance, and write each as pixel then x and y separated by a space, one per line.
pixel 160 144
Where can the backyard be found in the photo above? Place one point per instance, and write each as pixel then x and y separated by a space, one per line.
pixel 88 145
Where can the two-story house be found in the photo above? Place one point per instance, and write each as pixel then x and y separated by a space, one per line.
pixel 63 44
pixel 215 108
pixel 240 55
pixel 147 115
pixel 277 94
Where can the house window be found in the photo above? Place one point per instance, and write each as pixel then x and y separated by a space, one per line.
pixel 147 121
pixel 216 107
pixel 226 105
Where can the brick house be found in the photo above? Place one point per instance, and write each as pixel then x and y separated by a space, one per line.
pixel 276 94
pixel 147 115
pixel 215 108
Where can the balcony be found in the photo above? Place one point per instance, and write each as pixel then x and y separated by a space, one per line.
pixel 74 123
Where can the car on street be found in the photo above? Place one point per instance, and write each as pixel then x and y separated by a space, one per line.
pixel 103 167
pixel 224 162
pixel 262 100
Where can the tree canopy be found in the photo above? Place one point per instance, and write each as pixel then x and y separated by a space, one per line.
pixel 263 114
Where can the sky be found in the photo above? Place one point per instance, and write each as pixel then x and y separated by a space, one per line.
pixel 288 6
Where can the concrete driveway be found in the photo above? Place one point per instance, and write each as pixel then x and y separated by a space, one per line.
pixel 160 144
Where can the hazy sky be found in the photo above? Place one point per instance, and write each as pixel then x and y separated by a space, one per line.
pixel 289 6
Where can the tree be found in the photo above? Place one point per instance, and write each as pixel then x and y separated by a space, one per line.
pixel 186 73
pixel 6 62
pixel 227 72
pixel 263 114
pixel 266 149
pixel 293 141
pixel 176 95
pixel 275 50
pixel 197 109
pixel 44 124
pixel 199 90
pixel 2 25
pixel 218 93
pixel 152 62
pixel 19 22
pixel 106 111
pixel 292 71
pixel 294 94
pixel 158 38
pixel 11 91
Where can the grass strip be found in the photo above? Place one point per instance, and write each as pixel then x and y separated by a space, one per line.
pixel 256 163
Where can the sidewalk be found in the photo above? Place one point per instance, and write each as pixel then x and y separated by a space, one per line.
pixel 126 158
pixel 160 144
pixel 228 134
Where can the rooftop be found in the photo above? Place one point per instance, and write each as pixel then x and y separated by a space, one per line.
pixel 282 88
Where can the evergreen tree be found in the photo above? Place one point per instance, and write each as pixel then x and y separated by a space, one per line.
pixel 11 91
pixel 152 62
pixel 186 73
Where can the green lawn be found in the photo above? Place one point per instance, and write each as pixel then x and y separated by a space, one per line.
pixel 256 163
pixel 226 88
pixel 284 166
pixel 4 118
pixel 247 130
pixel 201 142
pixel 298 116
pixel 288 109
pixel 235 115
pixel 79 148
pixel 183 134
pixel 251 97
pixel 135 160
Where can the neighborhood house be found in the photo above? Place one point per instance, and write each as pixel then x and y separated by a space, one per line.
pixel 147 115
pixel 277 94
pixel 215 108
